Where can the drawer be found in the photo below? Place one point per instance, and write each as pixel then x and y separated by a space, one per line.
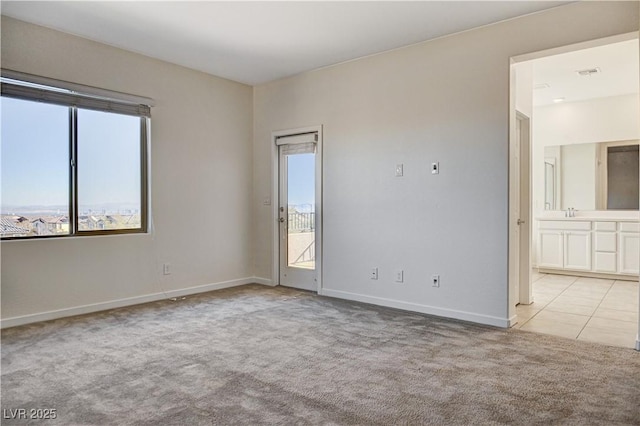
pixel 629 226
pixel 604 262
pixel 565 225
pixel 605 241
pixel 605 226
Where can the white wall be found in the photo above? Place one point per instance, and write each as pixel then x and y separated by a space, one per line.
pixel 445 100
pixel 596 120
pixel 201 186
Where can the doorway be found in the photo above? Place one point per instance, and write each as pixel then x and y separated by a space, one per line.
pixel 298 220
pixel 558 89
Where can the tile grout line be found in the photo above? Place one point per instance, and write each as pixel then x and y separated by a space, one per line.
pixel 560 294
pixel 594 311
pixel 549 302
pixel 590 317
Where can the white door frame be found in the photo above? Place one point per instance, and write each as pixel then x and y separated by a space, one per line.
pixel 275 196
pixel 511 310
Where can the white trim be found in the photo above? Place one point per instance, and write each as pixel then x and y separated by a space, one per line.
pixel 638 344
pixel 424 309
pixel 264 281
pixel 589 274
pixel 129 301
pixel 275 201
pixel 319 209
pixel 512 202
pixel 574 47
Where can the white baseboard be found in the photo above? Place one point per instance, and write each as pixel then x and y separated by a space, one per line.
pixel 425 309
pixel 589 274
pixel 638 344
pixel 119 303
pixel 264 281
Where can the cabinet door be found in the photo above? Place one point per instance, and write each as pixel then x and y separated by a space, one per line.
pixel 629 256
pixel 605 241
pixel 550 253
pixel 577 250
pixel 605 262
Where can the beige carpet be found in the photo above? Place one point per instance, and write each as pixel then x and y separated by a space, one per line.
pixel 259 355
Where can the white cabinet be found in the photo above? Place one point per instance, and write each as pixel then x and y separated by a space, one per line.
pixel 577 250
pixel 564 249
pixel 550 249
pixel 629 253
pixel 605 247
pixel 598 246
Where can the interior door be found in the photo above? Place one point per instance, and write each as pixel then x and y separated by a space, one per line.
pixel 525 293
pixel 514 297
pixel 297 215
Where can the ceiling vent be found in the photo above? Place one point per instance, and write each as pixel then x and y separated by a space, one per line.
pixel 540 86
pixel 588 72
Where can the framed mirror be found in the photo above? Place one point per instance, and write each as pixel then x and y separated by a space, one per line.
pixel 592 176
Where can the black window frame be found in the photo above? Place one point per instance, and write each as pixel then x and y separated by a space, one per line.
pixel 75 97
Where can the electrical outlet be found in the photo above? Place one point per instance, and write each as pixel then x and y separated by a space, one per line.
pixel 399 276
pixel 166 268
pixel 374 273
pixel 435 280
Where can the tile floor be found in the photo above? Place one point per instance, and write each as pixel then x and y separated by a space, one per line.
pixel 593 309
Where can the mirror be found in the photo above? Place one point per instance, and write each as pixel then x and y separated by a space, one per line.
pixel 592 176
pixel 549 184
pixel 623 190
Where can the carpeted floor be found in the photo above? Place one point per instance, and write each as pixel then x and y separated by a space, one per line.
pixel 260 355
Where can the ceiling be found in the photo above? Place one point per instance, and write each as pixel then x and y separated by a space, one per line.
pixel 257 42
pixel 619 70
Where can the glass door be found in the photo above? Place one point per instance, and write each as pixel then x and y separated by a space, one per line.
pixel 297 216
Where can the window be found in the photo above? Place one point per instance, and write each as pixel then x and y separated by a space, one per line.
pixel 73 163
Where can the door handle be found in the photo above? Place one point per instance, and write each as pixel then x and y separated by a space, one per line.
pixel 520 221
pixel 281 220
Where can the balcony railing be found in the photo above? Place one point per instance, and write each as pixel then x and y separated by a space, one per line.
pixel 301 221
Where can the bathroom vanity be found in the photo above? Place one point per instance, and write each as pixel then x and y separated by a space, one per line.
pixel 589 223
pixel 591 246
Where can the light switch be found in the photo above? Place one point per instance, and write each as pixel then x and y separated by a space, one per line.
pixel 399 170
pixel 435 168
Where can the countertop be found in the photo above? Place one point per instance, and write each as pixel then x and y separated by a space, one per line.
pixel 591 218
